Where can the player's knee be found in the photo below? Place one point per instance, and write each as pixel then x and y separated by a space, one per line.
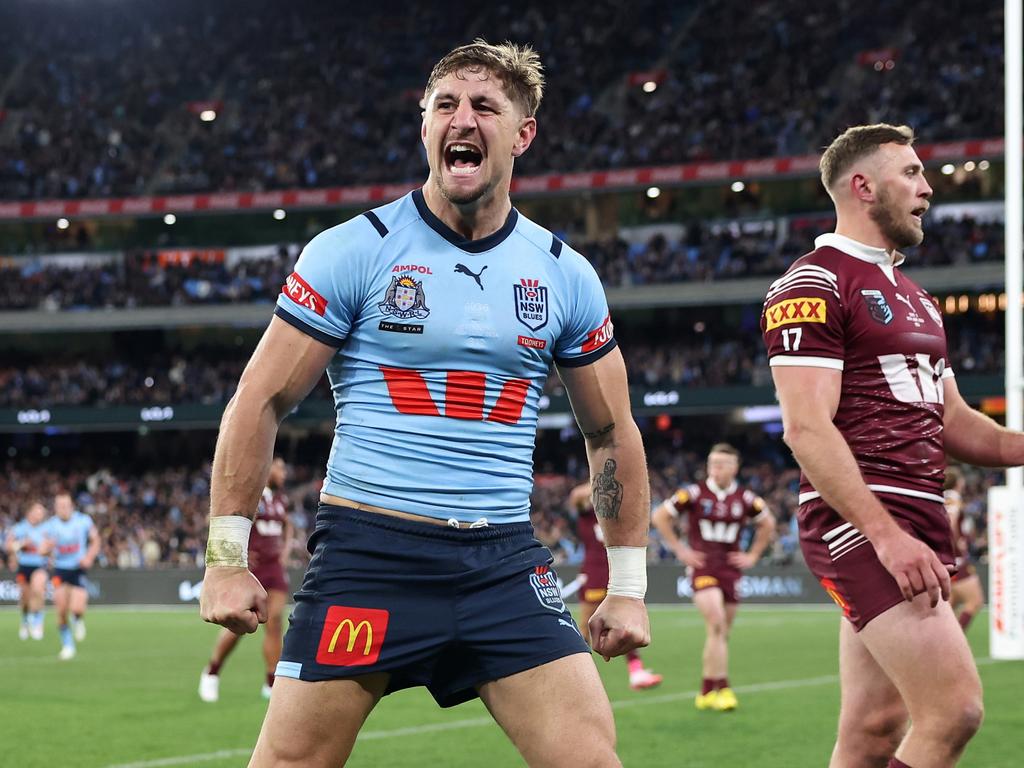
pixel 717 626
pixel 962 720
pixel 876 733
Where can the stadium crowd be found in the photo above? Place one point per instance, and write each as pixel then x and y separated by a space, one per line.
pixel 703 253
pixel 99 102
pixel 713 352
pixel 157 519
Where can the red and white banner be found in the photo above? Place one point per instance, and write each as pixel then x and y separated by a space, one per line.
pixel 1006 573
pixel 341 197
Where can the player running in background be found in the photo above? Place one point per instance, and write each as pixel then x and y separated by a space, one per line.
pixel 269 545
pixel 424 569
pixel 716 511
pixel 594 579
pixel 966 595
pixel 76 542
pixel 871 409
pixel 29 545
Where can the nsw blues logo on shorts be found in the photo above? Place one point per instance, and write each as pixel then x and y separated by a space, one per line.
pixel 545 585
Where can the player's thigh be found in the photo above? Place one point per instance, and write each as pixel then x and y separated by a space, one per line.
pixel 314 725
pixel 870 704
pixel 276 603
pixel 924 652
pixel 61 597
pixel 586 611
pixel 37 582
pixel 556 714
pixel 967 592
pixel 79 599
pixel 711 603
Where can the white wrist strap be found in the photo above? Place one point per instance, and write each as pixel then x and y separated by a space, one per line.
pixel 228 544
pixel 627 571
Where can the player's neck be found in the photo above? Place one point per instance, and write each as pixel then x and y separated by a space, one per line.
pixel 866 233
pixel 475 221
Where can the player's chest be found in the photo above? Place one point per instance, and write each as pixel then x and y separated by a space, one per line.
pixel 712 507
pixel 423 309
pixel 887 318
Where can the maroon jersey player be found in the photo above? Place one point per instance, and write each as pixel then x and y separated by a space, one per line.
pixel 966 594
pixel 593 578
pixel 269 545
pixel 870 408
pixel 715 512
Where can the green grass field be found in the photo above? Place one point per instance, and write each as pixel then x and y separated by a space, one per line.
pixel 129 699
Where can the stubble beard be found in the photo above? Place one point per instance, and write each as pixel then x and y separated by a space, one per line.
pixel 885 214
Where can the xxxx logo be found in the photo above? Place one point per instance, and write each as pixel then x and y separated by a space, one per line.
pixel 803 310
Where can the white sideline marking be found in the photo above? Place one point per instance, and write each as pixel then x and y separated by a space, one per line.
pixel 476 722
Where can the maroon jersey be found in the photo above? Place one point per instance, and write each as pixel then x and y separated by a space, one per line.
pixel 715 517
pixel 266 541
pixel 595 556
pixel 845 306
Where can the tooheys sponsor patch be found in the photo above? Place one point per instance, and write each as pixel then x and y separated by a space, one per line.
pixel 598 337
pixel 545 586
pixel 807 309
pixel 299 291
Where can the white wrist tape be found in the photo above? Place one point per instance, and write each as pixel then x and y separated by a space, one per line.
pixel 228 544
pixel 627 571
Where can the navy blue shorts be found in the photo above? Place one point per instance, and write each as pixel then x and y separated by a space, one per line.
pixel 445 608
pixel 73 577
pixel 24 573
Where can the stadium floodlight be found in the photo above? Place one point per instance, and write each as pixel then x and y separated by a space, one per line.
pixel 169 218
pixel 970 165
pixel 650 86
pixel 984 165
pixel 208 115
pixel 279 214
pixel 738 186
pixel 947 169
pixel 63 223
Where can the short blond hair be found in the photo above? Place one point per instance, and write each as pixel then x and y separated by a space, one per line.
pixel 856 143
pixel 517 66
pixel 726 449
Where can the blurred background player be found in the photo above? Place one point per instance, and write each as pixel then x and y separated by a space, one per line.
pixel 966 595
pixel 269 545
pixel 593 579
pixel 76 542
pixel 717 511
pixel 29 546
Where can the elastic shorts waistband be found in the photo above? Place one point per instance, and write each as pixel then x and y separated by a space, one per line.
pixel 333 513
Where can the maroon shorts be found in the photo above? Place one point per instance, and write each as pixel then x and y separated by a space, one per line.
pixel 272 576
pixel 721 578
pixel 845 563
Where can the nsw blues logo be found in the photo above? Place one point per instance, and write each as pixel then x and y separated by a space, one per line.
pixel 404 298
pixel 878 307
pixel 545 586
pixel 531 303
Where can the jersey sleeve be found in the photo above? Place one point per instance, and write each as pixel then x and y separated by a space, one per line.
pixel 803 320
pixel 679 502
pixel 754 505
pixel 587 334
pixel 321 296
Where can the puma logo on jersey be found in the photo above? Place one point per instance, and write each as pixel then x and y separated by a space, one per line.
pixel 464 270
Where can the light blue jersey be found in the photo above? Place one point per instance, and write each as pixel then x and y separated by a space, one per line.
pixel 34 535
pixel 444 345
pixel 71 539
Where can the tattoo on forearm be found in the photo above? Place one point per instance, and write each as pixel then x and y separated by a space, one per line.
pixel 607 492
pixel 601 432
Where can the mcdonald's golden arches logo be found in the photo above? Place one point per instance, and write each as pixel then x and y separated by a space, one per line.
pixel 352 637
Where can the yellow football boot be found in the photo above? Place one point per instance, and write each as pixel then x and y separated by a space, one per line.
pixel 707 700
pixel 725 700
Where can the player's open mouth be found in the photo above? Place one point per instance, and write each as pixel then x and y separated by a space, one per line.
pixel 918 213
pixel 462 158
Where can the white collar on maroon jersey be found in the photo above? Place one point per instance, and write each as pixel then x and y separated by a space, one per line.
pixel 268 495
pixel 858 250
pixel 721 493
